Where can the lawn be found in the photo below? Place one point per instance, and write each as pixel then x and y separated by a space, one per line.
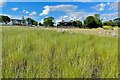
pixel 43 53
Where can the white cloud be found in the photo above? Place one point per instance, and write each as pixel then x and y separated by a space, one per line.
pixel 32 13
pixel 100 7
pixel 62 0
pixel 77 0
pixel 65 8
pixel 110 16
pixel 84 0
pixel 108 3
pixel 2 2
pixel 80 15
pixel 25 11
pixel 42 21
pixel 113 6
pixel 14 9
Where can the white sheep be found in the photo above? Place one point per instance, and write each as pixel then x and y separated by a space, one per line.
pixel 71 33
pixel 100 32
pixel 114 34
pixel 107 33
pixel 62 31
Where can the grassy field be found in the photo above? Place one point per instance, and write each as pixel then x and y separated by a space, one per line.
pixel 39 53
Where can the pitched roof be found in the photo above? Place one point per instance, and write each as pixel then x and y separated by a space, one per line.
pixel 17 20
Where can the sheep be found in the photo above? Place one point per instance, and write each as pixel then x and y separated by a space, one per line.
pixel 115 28
pixel 107 33
pixel 114 34
pixel 99 28
pixel 100 32
pixel 62 31
pixel 71 33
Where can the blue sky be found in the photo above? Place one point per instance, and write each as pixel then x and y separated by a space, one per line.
pixel 60 10
pixel 61 0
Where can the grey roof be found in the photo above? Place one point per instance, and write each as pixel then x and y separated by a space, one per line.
pixel 17 20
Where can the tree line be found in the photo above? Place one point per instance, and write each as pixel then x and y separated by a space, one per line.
pixel 89 22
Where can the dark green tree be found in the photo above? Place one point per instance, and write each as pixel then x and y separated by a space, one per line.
pixel 23 20
pixel 117 21
pixel 109 23
pixel 30 20
pixel 90 22
pixel 4 19
pixel 78 24
pixel 40 24
pixel 98 21
pixel 49 21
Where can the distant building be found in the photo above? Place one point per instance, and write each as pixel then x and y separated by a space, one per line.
pixel 16 22
pixel 19 22
pixel 29 23
pixel 64 24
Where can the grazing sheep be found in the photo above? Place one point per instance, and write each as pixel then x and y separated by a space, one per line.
pixel 66 30
pixel 62 31
pixel 115 28
pixel 58 30
pixel 114 34
pixel 107 33
pixel 99 28
pixel 71 33
pixel 100 32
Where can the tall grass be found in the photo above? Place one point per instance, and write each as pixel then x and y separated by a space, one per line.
pixel 38 53
pixel 0 52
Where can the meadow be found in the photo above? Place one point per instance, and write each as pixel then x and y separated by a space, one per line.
pixel 40 53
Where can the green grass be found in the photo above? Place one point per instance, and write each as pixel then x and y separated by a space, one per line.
pixel 30 53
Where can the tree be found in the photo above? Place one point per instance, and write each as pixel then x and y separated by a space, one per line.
pixel 40 24
pixel 4 19
pixel 31 21
pixel 98 21
pixel 48 21
pixel 117 21
pixel 23 20
pixel 97 16
pixel 78 24
pixel 109 23
pixel 90 22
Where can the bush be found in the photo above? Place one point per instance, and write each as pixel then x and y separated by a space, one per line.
pixel 108 27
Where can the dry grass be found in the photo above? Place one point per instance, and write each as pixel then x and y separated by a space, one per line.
pixel 42 53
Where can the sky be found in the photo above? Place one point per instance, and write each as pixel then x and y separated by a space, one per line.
pixel 61 0
pixel 60 10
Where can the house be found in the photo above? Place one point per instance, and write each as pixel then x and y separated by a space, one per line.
pixel 29 23
pixel 16 22
pixel 19 22
pixel 64 24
